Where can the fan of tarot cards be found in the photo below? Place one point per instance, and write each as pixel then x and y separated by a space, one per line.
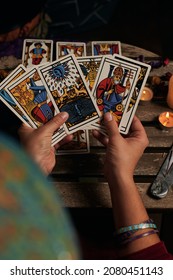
pixel 86 84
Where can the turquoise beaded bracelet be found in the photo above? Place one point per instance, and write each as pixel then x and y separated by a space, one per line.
pixel 147 224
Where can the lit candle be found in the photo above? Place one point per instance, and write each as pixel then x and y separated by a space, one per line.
pixel 166 120
pixel 147 94
pixel 169 98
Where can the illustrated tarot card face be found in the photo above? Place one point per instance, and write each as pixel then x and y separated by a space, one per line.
pixel 36 52
pixel 90 66
pixel 65 48
pixel 135 97
pixel 65 82
pixel 114 86
pixel 79 144
pixel 105 47
pixel 30 95
pixel 6 98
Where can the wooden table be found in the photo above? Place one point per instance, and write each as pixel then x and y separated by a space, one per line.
pixel 79 178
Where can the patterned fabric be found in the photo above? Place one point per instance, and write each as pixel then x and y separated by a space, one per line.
pixel 33 223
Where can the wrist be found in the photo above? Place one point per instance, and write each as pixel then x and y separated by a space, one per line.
pixel 120 179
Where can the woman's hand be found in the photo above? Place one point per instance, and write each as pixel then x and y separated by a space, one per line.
pixel 38 142
pixel 123 152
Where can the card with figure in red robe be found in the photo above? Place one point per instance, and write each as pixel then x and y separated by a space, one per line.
pixel 113 88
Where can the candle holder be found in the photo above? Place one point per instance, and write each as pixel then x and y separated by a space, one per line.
pixel 166 120
pixel 146 96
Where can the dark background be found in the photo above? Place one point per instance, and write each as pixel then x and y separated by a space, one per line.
pixel 146 23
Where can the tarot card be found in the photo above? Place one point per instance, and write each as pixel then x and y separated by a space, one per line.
pixel 6 98
pixel 105 47
pixel 136 94
pixel 58 135
pixel 79 144
pixel 65 48
pixel 90 66
pixel 114 86
pixel 31 97
pixel 36 52
pixel 64 81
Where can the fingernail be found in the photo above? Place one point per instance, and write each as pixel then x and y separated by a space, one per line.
pixel 108 116
pixel 64 115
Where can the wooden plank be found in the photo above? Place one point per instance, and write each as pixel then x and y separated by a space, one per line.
pixel 151 111
pixel 91 164
pixel 157 138
pixel 93 195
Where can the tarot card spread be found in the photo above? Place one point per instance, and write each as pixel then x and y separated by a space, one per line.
pixel 114 86
pixel 66 84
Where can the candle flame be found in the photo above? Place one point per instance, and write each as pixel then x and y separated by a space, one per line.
pixel 167 115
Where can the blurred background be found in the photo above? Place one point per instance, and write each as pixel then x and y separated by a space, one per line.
pixel 147 24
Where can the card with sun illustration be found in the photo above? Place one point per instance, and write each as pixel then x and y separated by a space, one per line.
pixel 66 84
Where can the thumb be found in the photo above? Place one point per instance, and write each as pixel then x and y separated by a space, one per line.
pixel 55 123
pixel 110 125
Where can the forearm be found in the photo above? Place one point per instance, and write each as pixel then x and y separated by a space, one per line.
pixel 128 209
pixel 127 205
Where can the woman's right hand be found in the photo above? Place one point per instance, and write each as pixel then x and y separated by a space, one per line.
pixel 122 152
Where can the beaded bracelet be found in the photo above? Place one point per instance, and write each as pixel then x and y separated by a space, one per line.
pixel 119 238
pixel 133 238
pixel 146 224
